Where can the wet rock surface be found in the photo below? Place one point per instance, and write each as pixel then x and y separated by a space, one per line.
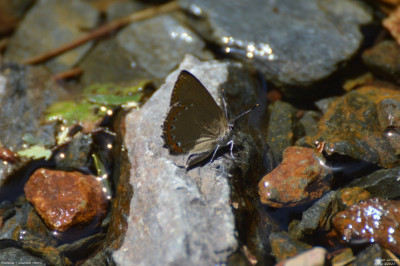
pixel 384 60
pixel 351 127
pixel 381 183
pixel 352 195
pixel 178 40
pixel 300 178
pixel 57 23
pixel 64 199
pixel 375 220
pixel 109 62
pixel 276 36
pixel 194 203
pixel 319 215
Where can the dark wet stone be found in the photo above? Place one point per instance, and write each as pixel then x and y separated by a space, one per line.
pixel 160 43
pixel 64 199
pixel 374 255
pixel 352 195
pixel 384 60
pixel 25 93
pixel 319 215
pixel 381 183
pixel 28 230
pixel 276 36
pixel 313 257
pixel 283 246
pixel 11 11
pixel 374 220
pixel 110 62
pixel 17 256
pixel 391 23
pixel 81 248
pixel 300 178
pixel 120 205
pixel 178 216
pixel 280 128
pixel 76 154
pixel 351 126
pixel 48 25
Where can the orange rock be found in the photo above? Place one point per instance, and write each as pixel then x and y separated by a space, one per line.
pixel 374 220
pixel 64 199
pixel 352 195
pixel 301 177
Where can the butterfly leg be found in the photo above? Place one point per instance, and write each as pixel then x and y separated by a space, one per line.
pixel 231 149
pixel 215 152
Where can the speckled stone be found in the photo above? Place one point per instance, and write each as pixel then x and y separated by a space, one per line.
pixel 374 220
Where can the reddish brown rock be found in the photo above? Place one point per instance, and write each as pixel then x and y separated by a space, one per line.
pixel 64 199
pixel 352 195
pixel 301 177
pixel 373 220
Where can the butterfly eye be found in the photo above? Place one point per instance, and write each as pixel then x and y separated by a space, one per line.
pixel 178 144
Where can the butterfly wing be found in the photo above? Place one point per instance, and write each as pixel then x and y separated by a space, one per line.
pixel 194 122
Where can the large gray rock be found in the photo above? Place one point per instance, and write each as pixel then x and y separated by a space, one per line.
pixel 178 217
pixel 48 25
pixel 160 43
pixel 292 42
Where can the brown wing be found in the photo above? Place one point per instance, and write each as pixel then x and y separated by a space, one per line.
pixel 194 122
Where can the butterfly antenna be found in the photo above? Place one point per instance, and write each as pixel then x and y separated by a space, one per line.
pixel 243 114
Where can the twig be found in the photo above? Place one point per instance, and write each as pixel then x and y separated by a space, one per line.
pixel 109 27
pixel 71 73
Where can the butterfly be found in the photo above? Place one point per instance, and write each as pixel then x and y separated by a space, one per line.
pixel 195 124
